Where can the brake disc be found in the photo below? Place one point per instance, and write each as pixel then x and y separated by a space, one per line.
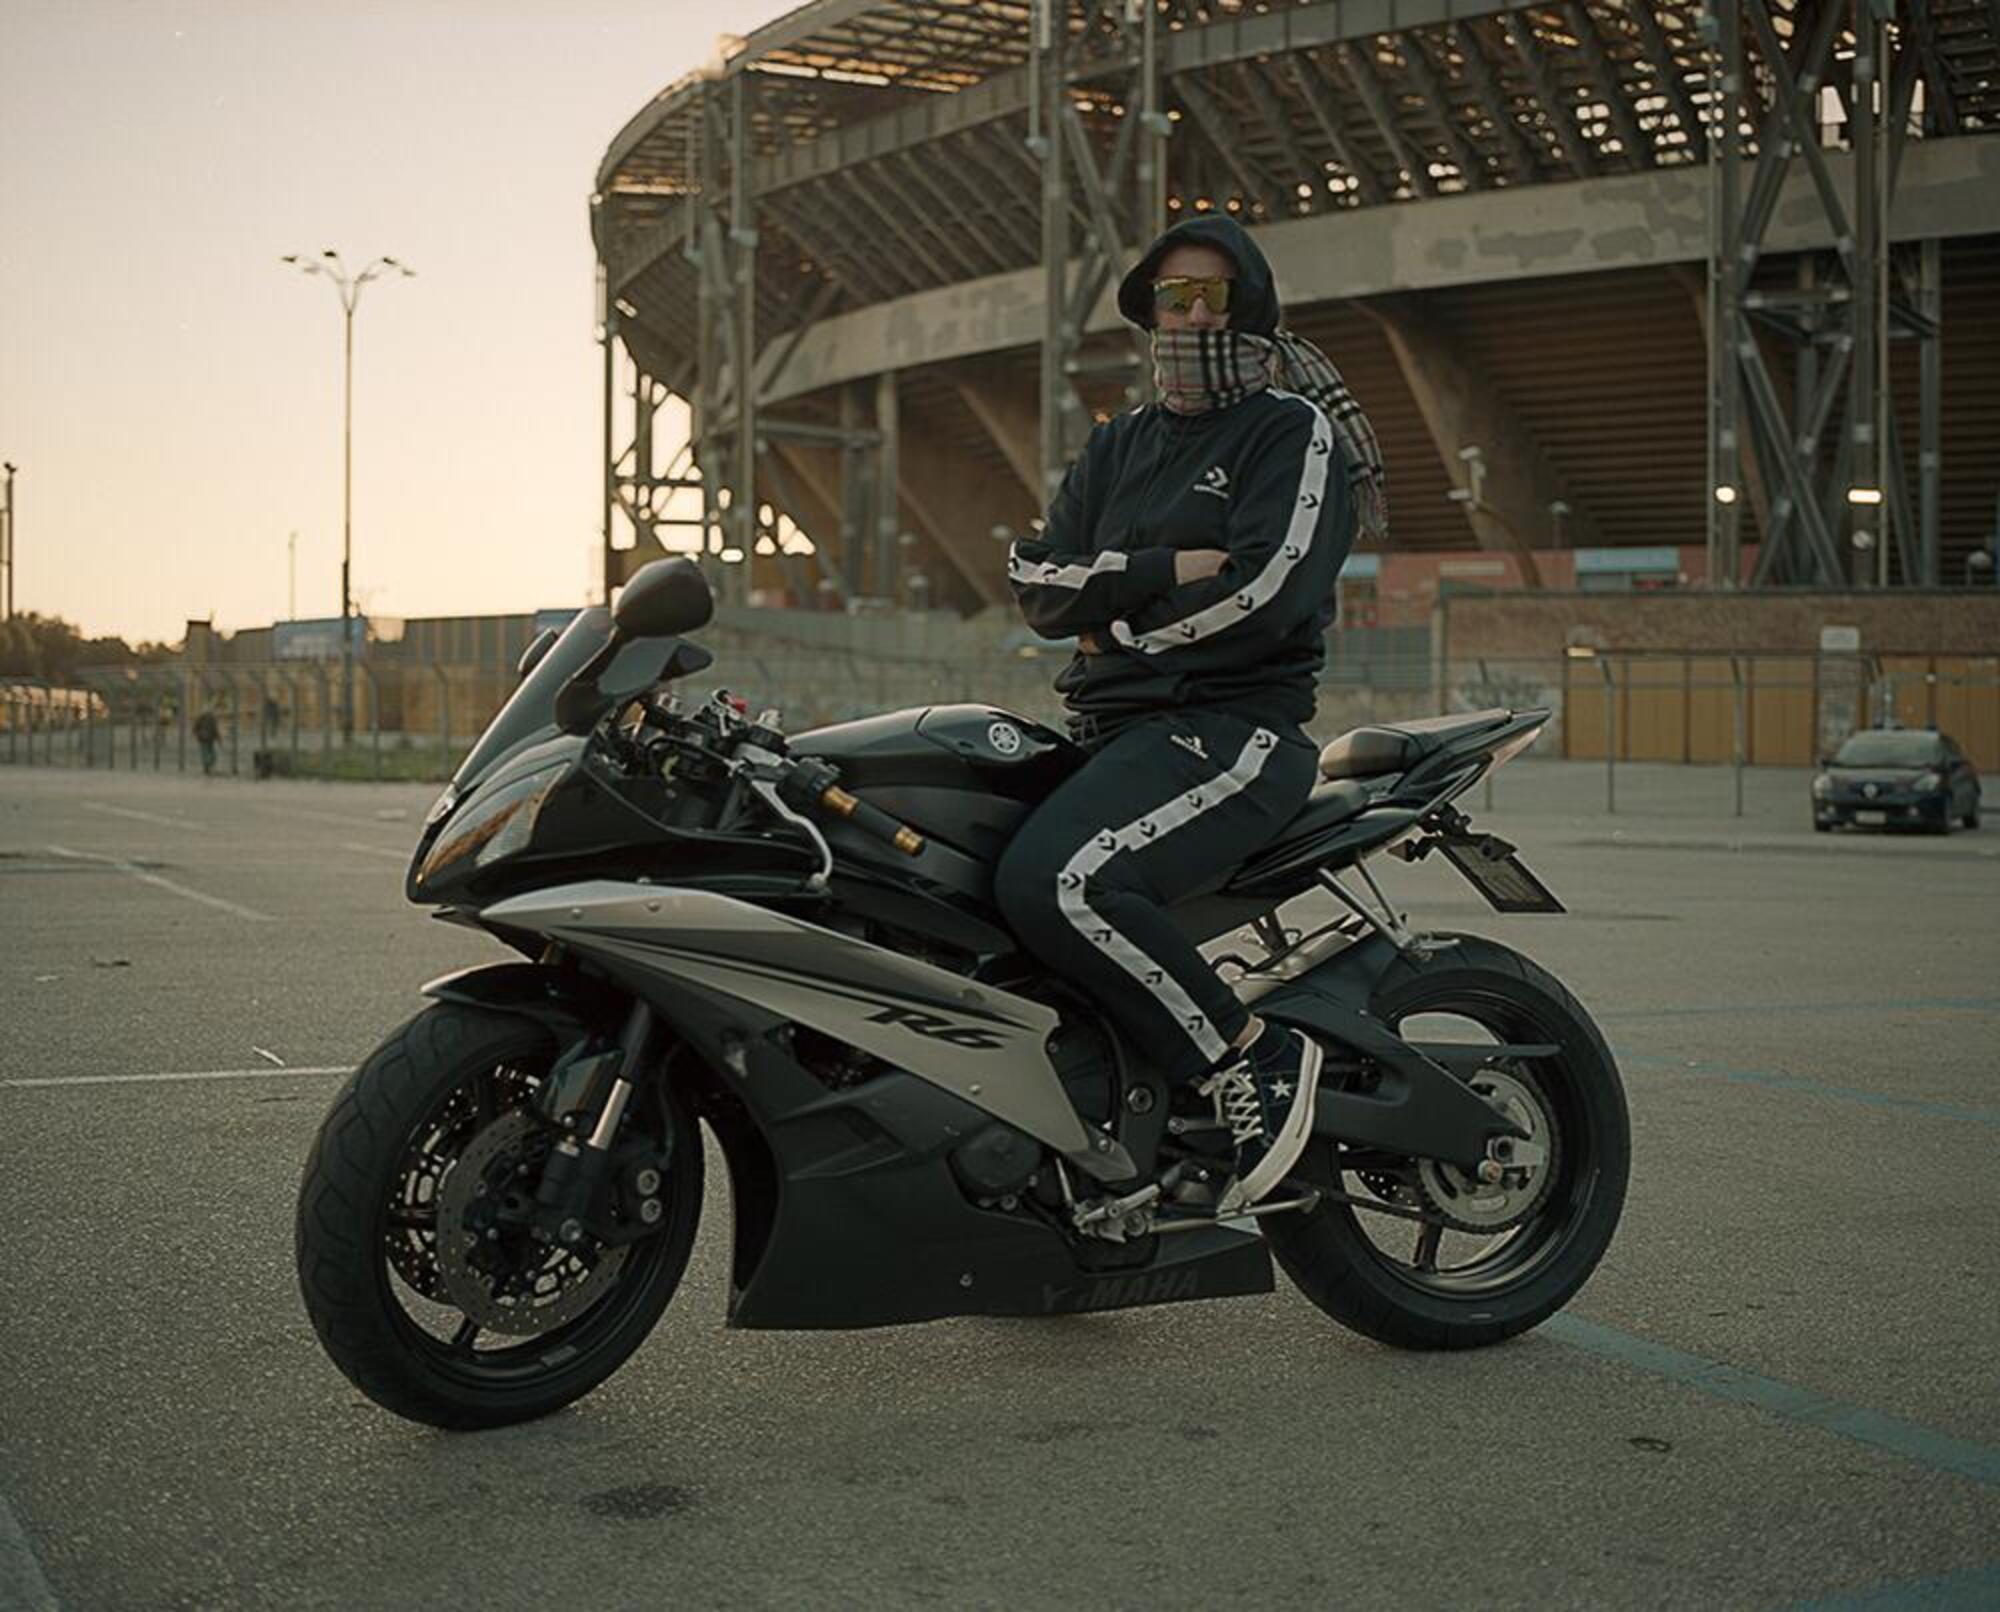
pixel 495 1272
pixel 410 1241
pixel 1466 1203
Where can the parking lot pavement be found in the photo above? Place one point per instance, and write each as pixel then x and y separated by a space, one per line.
pixel 1779 1390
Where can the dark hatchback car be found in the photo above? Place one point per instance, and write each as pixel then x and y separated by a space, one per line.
pixel 1883 777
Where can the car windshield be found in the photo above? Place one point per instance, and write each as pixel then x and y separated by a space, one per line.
pixel 1889 750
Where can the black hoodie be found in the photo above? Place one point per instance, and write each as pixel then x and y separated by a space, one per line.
pixel 1261 479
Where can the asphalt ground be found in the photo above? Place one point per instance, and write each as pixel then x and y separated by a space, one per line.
pixel 1780 1390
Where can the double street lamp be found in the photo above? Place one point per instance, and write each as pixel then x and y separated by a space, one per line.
pixel 348 288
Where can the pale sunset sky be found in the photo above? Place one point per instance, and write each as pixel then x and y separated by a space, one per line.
pixel 171 391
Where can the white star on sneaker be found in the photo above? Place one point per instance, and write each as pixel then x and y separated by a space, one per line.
pixel 1281 1088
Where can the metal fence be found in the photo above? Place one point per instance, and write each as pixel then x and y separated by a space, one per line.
pixel 415 721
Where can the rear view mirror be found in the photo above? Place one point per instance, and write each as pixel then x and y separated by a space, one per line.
pixel 664 599
pixel 531 657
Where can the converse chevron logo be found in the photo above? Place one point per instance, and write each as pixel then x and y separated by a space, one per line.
pixel 1214 480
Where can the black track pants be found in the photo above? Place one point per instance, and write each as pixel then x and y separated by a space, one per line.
pixel 1154 815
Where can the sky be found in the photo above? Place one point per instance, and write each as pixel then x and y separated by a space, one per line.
pixel 171 392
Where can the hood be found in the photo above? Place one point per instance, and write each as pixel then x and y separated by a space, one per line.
pixel 1255 297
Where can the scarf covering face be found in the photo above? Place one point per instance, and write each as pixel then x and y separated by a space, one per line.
pixel 1199 370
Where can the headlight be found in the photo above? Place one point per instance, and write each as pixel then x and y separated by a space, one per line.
pixel 1822 786
pixel 1927 781
pixel 498 827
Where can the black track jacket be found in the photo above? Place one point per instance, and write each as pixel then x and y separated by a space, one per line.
pixel 1262 479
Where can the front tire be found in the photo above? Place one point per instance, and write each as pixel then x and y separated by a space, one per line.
pixel 369 1213
pixel 1531 1271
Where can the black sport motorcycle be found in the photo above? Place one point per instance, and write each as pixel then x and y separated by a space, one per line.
pixel 795 941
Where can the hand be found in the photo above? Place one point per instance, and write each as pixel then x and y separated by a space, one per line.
pixel 1196 565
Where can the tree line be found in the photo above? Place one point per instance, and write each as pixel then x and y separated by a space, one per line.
pixel 50 650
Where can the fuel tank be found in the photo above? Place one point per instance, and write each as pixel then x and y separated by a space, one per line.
pixel 964 774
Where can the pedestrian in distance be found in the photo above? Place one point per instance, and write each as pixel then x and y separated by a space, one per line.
pixel 1192 552
pixel 207 734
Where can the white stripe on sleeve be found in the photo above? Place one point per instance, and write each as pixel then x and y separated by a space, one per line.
pixel 1265 586
pixel 1048 574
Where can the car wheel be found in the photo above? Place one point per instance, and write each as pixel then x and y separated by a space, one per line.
pixel 1821 826
pixel 1971 818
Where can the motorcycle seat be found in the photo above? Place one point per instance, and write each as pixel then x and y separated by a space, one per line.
pixel 1388 747
pixel 1329 804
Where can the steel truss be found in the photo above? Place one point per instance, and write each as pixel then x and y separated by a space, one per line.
pixel 732 457
pixel 859 152
pixel 1098 207
pixel 1826 470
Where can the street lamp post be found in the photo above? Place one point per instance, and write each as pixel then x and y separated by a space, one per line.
pixel 7 542
pixel 348 288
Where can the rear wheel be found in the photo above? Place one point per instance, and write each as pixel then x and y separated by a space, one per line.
pixel 1443 1261
pixel 437 1304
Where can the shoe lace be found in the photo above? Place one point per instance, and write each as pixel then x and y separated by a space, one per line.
pixel 1236 1103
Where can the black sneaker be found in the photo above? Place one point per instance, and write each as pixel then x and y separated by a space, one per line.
pixel 1266 1100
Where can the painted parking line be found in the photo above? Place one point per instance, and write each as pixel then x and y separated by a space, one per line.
pixel 1975 1590
pixel 1941 1452
pixel 147 876
pixel 143 817
pixel 375 850
pixel 1770 1080
pixel 1904 1004
pixel 26 1082
pixel 21 1583
pixel 347 820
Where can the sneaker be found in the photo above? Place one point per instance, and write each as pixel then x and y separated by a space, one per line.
pixel 1266 1100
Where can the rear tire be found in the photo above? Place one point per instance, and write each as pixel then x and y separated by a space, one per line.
pixel 393 1110
pixel 1341 1269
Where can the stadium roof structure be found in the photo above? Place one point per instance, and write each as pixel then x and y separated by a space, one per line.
pixel 1617 246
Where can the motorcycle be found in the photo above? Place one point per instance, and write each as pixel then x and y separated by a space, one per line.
pixel 794 942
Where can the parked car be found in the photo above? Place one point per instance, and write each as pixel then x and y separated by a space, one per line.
pixel 1880 777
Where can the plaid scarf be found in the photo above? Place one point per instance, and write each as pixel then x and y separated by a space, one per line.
pixel 1199 370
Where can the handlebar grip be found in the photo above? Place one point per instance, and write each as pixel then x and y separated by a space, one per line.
pixel 871 819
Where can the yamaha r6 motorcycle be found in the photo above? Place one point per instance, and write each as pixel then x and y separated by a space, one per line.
pixel 795 941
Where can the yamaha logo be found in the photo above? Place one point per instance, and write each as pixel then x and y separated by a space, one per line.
pixel 1005 738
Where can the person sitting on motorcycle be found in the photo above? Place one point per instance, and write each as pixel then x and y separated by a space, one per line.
pixel 1192 551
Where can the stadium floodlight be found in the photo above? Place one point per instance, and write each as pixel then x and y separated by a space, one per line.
pixel 1864 495
pixel 1725 494
pixel 348 289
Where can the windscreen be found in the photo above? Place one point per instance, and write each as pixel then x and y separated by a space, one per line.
pixel 1889 750
pixel 530 714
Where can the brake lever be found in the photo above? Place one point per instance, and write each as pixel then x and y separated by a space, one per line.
pixel 761 769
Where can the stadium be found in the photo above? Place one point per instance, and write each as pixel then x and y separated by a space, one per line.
pixel 1602 274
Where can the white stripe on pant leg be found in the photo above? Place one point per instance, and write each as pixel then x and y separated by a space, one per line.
pixel 1141 832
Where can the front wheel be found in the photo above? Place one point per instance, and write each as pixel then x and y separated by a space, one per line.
pixel 1446 1262
pixel 417 1266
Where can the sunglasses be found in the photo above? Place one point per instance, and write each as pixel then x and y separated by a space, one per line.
pixel 1180 293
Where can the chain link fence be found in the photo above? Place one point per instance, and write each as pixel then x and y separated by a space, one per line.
pixel 414 721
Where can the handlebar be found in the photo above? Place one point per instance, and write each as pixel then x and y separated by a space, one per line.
pixel 871 819
pixel 817 784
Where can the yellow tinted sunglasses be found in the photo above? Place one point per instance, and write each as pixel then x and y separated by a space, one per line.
pixel 1179 293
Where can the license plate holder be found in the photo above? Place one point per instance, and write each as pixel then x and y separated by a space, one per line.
pixel 1504 880
pixel 1873 819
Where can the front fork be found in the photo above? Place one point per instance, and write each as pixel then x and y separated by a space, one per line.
pixel 572 1200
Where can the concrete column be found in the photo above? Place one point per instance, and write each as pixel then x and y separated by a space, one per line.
pixel 888 508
